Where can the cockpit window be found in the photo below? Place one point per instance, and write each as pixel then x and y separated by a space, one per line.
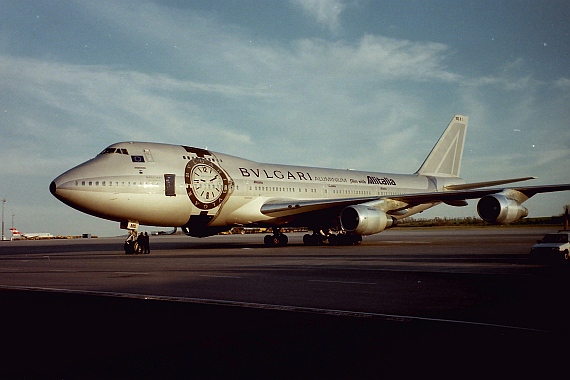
pixel 115 150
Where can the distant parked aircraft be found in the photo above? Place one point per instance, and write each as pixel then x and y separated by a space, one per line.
pixel 17 235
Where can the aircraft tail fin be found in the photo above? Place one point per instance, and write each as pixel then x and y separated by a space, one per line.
pixel 16 234
pixel 444 159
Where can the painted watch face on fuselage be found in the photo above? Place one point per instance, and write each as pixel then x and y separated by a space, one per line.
pixel 206 184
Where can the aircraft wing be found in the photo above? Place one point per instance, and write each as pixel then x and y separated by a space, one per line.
pixel 478 185
pixel 462 195
pixel 290 207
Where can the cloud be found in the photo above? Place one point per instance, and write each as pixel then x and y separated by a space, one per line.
pixel 247 91
pixel 56 113
pixel 563 83
pixel 308 101
pixel 326 12
pixel 374 58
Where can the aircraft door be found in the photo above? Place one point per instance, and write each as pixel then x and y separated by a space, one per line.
pixel 248 188
pixel 170 185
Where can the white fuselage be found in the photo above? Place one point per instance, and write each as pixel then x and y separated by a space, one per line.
pixel 205 192
pixel 154 184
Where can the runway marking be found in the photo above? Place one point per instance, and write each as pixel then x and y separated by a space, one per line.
pixel 62 271
pixel 216 276
pixel 345 282
pixel 405 242
pixel 254 305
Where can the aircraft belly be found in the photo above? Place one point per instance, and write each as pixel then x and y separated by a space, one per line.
pixel 158 210
pixel 416 209
pixel 241 210
pixel 147 209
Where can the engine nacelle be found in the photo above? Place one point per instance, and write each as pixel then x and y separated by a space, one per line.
pixel 499 209
pixel 364 220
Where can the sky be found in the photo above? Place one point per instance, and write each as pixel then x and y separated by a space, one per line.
pixel 360 84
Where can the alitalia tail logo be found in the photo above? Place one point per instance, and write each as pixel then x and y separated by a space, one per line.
pixel 380 181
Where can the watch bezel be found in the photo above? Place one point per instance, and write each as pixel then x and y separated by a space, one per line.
pixel 190 166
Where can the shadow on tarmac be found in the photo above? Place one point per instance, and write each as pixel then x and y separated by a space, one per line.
pixel 56 335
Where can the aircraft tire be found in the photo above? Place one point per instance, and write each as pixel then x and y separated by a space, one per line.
pixel 283 240
pixel 268 240
pixel 276 240
pixel 130 248
pixel 333 239
pixel 312 239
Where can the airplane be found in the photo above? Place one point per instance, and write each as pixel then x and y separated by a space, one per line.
pixel 205 192
pixel 17 235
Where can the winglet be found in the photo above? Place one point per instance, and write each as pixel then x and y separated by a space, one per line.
pixel 444 159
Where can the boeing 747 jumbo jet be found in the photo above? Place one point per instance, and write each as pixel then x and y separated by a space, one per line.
pixel 204 192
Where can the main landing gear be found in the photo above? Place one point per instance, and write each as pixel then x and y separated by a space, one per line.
pixel 319 238
pixel 278 239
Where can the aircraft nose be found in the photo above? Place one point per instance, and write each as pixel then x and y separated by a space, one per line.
pixel 52 188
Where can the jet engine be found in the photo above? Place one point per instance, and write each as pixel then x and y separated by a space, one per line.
pixel 364 220
pixel 500 209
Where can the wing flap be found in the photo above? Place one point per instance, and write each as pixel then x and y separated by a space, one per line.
pixel 477 185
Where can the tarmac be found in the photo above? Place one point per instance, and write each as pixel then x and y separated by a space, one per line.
pixel 406 302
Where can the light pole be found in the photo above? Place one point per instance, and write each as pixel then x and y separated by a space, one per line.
pixel 3 203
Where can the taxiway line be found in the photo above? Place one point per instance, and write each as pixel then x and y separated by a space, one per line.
pixel 265 306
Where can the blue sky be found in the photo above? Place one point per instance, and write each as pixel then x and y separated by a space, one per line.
pixel 345 84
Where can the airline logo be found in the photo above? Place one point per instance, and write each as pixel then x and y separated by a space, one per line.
pixel 380 181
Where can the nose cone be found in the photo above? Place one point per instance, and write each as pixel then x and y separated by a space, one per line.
pixel 53 188
pixel 66 186
pixel 83 189
pixel 60 187
pixel 67 189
